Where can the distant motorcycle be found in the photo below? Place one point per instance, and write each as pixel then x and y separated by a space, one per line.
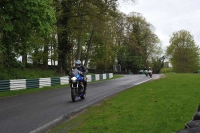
pixel 146 72
pixel 150 73
pixel 77 85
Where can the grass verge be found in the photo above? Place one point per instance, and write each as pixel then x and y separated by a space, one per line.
pixel 26 91
pixel 161 106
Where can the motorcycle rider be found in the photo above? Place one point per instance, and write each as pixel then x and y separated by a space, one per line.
pixel 84 70
pixel 145 71
pixel 149 69
pixel 145 68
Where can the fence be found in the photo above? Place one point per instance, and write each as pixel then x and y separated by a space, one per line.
pixel 19 84
pixel 106 71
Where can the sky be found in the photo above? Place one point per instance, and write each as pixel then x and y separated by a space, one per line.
pixel 168 16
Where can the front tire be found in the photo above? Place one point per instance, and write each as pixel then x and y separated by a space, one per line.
pixel 73 95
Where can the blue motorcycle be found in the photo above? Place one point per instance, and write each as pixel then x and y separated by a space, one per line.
pixel 76 82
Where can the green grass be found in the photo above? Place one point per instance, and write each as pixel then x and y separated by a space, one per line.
pixel 26 91
pixel 160 106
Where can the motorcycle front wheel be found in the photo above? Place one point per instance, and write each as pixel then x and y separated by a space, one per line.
pixel 73 95
pixel 150 75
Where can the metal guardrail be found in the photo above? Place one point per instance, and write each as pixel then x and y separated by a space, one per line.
pixel 18 84
pixel 4 85
pixel 95 71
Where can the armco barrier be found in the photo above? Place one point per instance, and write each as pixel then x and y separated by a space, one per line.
pixel 32 83
pixel 45 82
pixel 64 80
pixel 18 84
pixel 100 76
pixel 55 81
pixel 89 78
pixel 97 77
pixel 4 85
pixel 93 77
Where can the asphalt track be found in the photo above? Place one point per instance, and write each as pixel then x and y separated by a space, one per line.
pixel 37 112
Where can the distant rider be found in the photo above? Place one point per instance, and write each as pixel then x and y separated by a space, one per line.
pixel 149 69
pixel 144 69
pixel 84 70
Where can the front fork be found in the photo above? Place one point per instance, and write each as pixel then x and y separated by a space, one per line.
pixel 78 89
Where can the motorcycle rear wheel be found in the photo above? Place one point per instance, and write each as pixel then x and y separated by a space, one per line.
pixel 83 96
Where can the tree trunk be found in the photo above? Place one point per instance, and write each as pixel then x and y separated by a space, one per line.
pixel 78 57
pixel 35 61
pixel 7 53
pixel 89 46
pixel 24 59
pixel 64 29
pixel 45 56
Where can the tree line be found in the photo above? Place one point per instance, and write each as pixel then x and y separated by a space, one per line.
pixel 62 31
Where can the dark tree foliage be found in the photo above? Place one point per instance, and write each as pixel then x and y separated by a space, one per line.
pixel 20 20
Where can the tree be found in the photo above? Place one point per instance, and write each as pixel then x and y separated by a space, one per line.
pixel 158 63
pixel 103 50
pixel 183 52
pixel 78 23
pixel 64 11
pixel 141 44
pixel 20 21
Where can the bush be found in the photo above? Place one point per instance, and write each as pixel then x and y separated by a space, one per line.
pixel 166 70
pixel 7 74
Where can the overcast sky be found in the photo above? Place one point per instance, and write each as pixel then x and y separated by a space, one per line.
pixel 168 16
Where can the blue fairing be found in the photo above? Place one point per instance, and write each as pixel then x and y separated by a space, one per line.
pixel 79 77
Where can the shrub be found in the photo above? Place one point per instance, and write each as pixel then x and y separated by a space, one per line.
pixel 166 70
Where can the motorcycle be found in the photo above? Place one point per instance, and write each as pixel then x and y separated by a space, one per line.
pixel 76 82
pixel 146 72
pixel 150 73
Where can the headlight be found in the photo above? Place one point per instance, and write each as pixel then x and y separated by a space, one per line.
pixel 73 78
